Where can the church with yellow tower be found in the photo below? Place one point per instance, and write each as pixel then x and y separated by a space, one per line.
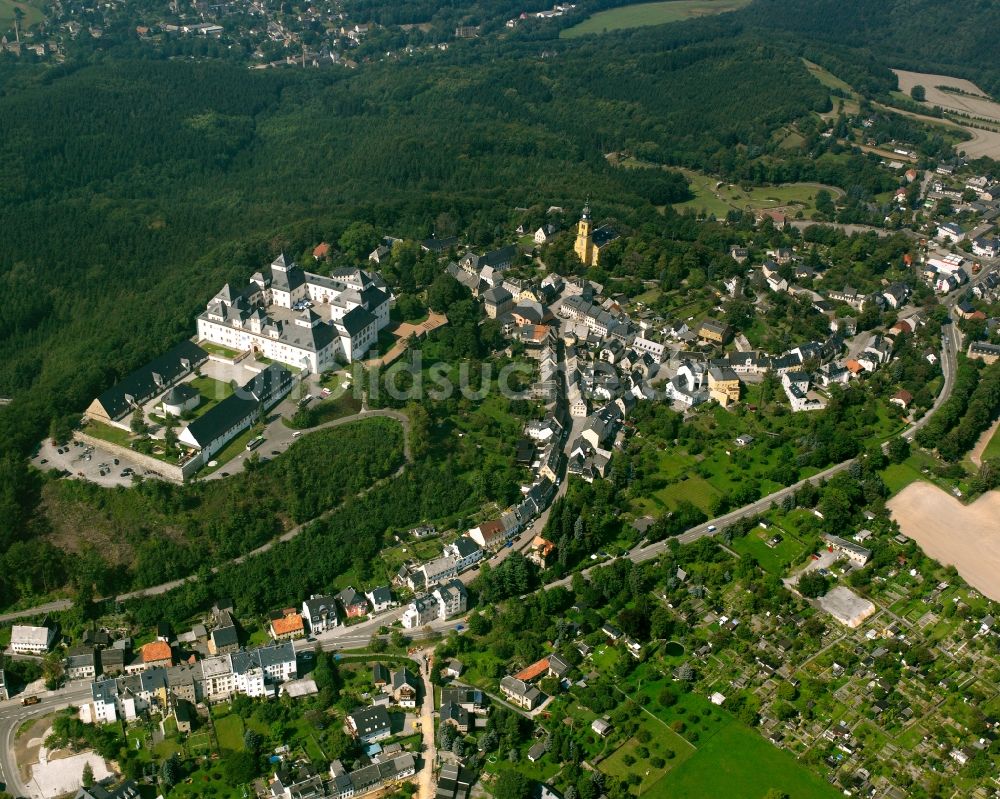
pixel 590 242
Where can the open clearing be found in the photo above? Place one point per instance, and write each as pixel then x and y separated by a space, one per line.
pixel 988 446
pixel 715 197
pixel 643 14
pixel 964 536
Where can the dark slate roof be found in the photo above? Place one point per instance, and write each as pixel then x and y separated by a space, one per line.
pixel 439 245
pixel 604 235
pixel 356 320
pixel 179 394
pixel 240 405
pixel 225 636
pixel 147 381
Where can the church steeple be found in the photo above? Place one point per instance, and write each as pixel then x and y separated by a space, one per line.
pixel 584 247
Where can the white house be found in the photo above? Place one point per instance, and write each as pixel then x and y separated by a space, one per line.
pixel 320 613
pixel 29 640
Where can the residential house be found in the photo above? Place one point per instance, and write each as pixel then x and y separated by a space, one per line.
pixel 404 688
pixel 542 552
pixel 950 232
pixel 723 385
pixel 986 247
pixel 81 663
pixel 796 386
pixel 714 331
pixel 286 625
pixel 520 693
pixel 902 398
pixel 457 716
pixel 369 724
pixel 422 610
pixel 320 612
pixel 497 301
pixel 454 668
pixel 452 598
pixel 984 351
pixel 26 639
pixel 225 638
pixel 601 726
pixel 857 554
pixel 380 675
pixel 156 654
pixel 465 551
pixel 355 604
pixel 380 598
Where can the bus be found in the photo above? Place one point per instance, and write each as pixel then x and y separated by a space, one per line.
pixel 253 443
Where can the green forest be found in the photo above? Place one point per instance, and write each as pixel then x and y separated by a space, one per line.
pixel 133 188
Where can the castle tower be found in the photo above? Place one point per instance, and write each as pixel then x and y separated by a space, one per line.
pixel 584 247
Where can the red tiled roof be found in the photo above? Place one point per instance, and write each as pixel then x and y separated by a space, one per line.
pixel 155 652
pixel 291 623
pixel 533 671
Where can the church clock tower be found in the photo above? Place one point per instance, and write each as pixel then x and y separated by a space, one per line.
pixel 584 247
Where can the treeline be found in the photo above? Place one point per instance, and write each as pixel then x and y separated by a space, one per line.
pixel 971 409
pixel 947 36
pixel 950 414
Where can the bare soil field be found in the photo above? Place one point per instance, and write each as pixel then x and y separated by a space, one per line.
pixel 979 105
pixel 983 142
pixel 964 536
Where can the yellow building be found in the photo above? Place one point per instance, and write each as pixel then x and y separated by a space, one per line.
pixel 590 242
pixel 723 385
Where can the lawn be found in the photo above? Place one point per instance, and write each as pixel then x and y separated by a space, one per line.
pixel 739 764
pixel 209 346
pixel 229 732
pixel 643 14
pixel 212 393
pixel 108 433
pixel 993 448
pixel 235 447
pixel 774 560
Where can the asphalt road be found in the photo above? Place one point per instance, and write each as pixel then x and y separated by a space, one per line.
pixel 12 714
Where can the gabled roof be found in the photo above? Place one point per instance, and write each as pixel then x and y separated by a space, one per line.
pixel 148 380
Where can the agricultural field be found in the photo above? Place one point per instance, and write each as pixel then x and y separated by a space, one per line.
pixel 33 11
pixel 712 196
pixel 641 15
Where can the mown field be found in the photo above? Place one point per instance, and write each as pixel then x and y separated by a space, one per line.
pixel 738 763
pixel 643 14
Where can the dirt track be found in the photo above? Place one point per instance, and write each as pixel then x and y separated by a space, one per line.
pixel 965 536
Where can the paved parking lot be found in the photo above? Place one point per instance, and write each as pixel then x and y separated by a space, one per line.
pixel 84 462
